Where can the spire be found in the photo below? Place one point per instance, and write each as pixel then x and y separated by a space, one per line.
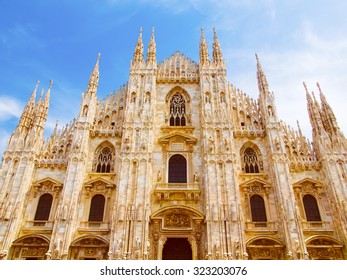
pixel 48 94
pixel 204 57
pixel 33 95
pixel 217 52
pixel 299 128
pixel 262 80
pixel 327 112
pixel 152 49
pixel 138 53
pixel 94 77
pixel 27 116
pixel 41 108
pixel 313 111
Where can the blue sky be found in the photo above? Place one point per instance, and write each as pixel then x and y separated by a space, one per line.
pixel 59 40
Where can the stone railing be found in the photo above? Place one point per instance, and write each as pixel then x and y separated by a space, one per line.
pixel 177 191
pixel 261 226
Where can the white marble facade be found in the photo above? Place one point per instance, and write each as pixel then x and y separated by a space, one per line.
pixel 178 163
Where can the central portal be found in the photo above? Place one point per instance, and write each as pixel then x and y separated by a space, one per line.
pixel 177 249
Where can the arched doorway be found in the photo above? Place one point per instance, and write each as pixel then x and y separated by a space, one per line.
pixel 324 248
pixel 31 247
pixel 177 233
pixel 177 249
pixel 265 248
pixel 89 248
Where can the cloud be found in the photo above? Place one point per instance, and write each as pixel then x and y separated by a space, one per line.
pixel 9 107
pixel 318 59
pixel 20 36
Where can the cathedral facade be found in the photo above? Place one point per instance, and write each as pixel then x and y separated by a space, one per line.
pixel 176 164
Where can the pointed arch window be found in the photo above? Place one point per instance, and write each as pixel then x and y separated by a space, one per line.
pixel 44 207
pixel 311 208
pixel 250 161
pixel 104 161
pixel 97 206
pixel 177 169
pixel 178 110
pixel 258 209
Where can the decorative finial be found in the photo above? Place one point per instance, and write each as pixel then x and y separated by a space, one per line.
pixel 299 128
pixel 319 88
pixel 50 84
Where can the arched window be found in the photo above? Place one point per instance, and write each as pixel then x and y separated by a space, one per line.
pixel 177 169
pixel 311 208
pixel 258 209
pixel 104 160
pixel 177 111
pixel 250 161
pixel 97 205
pixel 44 207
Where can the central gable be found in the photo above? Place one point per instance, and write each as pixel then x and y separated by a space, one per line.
pixel 178 68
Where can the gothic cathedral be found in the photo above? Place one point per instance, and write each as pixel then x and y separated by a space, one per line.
pixel 176 164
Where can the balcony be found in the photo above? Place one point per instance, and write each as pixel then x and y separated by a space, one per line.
pixel 316 227
pixel 261 227
pixel 41 226
pixel 87 226
pixel 177 191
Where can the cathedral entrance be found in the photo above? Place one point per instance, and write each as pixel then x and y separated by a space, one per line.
pixel 177 249
pixel 176 234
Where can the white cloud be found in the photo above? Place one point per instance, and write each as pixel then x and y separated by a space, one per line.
pixel 9 107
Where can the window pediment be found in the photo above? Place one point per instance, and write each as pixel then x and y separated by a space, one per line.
pixel 98 185
pixel 48 185
pixel 308 185
pixel 308 181
pixel 256 182
pixel 177 137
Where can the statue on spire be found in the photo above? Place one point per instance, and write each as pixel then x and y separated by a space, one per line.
pixel 138 53
pixel 94 77
pixel 152 50
pixel 217 52
pixel 204 57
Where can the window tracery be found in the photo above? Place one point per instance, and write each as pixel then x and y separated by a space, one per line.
pixel 250 161
pixel 104 160
pixel 177 110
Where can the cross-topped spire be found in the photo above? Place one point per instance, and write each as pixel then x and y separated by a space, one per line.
pixel 94 77
pixel 152 49
pixel 138 53
pixel 262 80
pixel 217 52
pixel 204 57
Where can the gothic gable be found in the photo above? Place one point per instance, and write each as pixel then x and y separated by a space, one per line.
pixel 178 68
pixel 308 181
pixel 177 137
